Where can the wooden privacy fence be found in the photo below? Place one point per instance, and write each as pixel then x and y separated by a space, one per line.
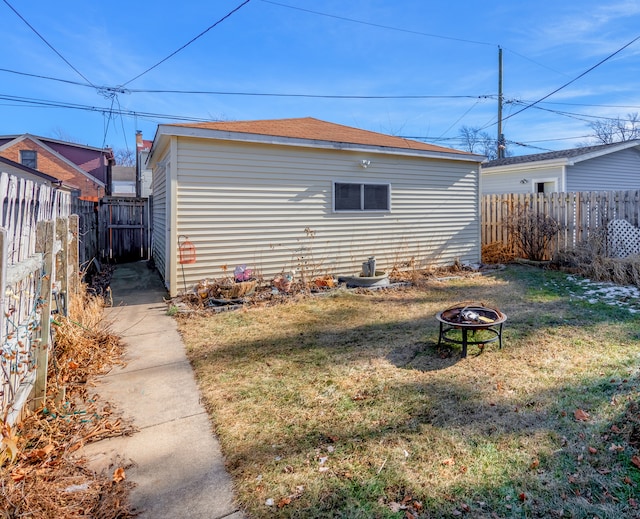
pixel 38 271
pixel 87 212
pixel 124 229
pixel 580 215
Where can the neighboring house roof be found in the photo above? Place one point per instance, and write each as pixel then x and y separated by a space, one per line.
pixel 123 173
pixel 90 161
pixel 145 145
pixel 84 167
pixel 569 156
pixel 311 131
pixel 141 143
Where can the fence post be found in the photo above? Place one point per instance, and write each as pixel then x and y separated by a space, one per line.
pixel 3 279
pixel 62 262
pixel 45 234
pixel 73 257
pixel 103 231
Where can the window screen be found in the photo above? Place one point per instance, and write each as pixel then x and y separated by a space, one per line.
pixel 376 197
pixel 361 197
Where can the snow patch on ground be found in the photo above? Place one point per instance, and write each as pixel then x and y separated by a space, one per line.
pixel 627 297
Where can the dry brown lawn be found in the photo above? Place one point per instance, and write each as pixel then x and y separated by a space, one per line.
pixel 343 405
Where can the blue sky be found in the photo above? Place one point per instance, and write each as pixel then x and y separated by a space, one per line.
pixel 415 68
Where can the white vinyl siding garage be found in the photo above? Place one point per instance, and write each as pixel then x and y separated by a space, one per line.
pixel 159 219
pixel 271 207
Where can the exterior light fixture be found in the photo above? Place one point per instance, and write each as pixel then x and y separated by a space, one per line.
pixel 524 181
pixel 365 163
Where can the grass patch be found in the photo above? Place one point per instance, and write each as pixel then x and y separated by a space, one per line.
pixel 343 405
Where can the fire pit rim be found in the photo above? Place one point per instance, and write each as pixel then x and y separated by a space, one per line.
pixel 502 317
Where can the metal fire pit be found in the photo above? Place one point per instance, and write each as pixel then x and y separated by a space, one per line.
pixel 470 317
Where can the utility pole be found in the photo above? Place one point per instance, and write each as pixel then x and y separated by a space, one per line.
pixel 500 141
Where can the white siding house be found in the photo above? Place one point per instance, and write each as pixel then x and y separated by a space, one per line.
pixel 607 167
pixel 18 170
pixel 308 195
pixel 143 173
pixel 123 181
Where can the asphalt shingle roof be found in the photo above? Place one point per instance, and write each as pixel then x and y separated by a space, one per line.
pixel 550 155
pixel 312 129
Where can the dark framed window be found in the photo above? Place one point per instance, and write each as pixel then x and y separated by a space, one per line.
pixel 361 197
pixel 29 158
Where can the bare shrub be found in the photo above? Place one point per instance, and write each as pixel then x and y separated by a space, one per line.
pixel 533 234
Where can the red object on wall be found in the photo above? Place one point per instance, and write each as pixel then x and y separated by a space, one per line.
pixel 187 251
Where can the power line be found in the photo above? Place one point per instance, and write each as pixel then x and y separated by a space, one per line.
pixel 564 138
pixel 460 118
pixel 120 90
pixel 43 103
pixel 313 96
pixel 409 31
pixel 124 132
pixel 573 115
pixel 575 79
pixel 58 104
pixel 113 91
pixel 380 26
pixel 587 104
pixel 535 62
pixel 188 43
pixel 46 42
pixel 525 145
pixel 460 143
pixel 49 78
pixel 109 116
pixel 106 91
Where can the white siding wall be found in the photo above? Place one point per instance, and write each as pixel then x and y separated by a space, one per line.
pixel 21 173
pixel 159 219
pixel 145 176
pixel 617 171
pixel 494 182
pixel 250 204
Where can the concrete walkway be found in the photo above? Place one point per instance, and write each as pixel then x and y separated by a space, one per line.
pixel 179 470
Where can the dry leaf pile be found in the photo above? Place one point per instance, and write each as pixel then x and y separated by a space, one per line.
pixel 497 252
pixel 41 474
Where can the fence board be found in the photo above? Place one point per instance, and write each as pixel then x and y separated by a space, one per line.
pixel 24 292
pixel 87 229
pixel 45 242
pixel 3 284
pixel 73 258
pixel 124 228
pixel 580 214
